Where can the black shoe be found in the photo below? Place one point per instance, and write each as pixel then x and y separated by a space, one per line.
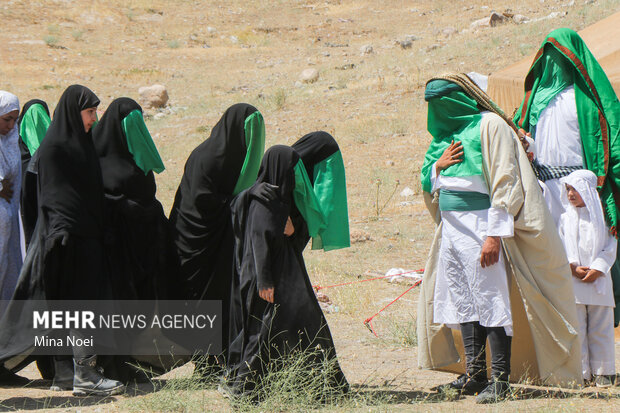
pixel 63 374
pixel 495 392
pixel 88 380
pixel 8 378
pixel 465 385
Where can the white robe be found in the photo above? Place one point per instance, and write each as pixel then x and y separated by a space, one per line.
pixel 10 168
pixel 464 291
pixel 558 143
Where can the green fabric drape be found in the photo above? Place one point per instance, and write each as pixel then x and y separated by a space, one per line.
pixel 34 126
pixel 255 144
pixel 598 109
pixel 452 117
pixel 307 202
pixel 330 188
pixel 140 143
pixel 463 201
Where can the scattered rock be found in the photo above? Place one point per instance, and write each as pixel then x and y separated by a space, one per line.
pixel 234 39
pixel 211 29
pixel 520 19
pixel 433 47
pixel 159 115
pixel 407 192
pixel 404 44
pixel 358 235
pixel 496 19
pixel 389 162
pixel 309 75
pixel 298 84
pixel 484 22
pixel 323 298
pixel 366 49
pixel 412 37
pixel 155 96
pixel 493 20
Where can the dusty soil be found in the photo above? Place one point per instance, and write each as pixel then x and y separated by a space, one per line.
pixel 211 55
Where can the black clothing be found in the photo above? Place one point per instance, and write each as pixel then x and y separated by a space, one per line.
pixel 140 255
pixel 65 257
pixel 313 148
pixel 474 343
pixel 28 201
pixel 264 258
pixel 200 216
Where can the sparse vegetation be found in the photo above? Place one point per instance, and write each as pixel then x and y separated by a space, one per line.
pixel 372 104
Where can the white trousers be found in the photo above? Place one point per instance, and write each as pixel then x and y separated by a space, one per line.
pixel 596 332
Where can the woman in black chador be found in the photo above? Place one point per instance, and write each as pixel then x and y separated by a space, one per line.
pixel 65 257
pixel 278 312
pixel 140 255
pixel 216 171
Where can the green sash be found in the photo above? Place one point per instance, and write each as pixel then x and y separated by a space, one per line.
pixel 463 201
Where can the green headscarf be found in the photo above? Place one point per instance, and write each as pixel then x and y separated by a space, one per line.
pixel 452 116
pixel 307 202
pixel 255 143
pixel 330 188
pixel 33 126
pixel 598 109
pixel 140 143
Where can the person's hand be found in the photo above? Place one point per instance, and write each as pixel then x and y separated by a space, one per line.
pixel 266 294
pixel 264 192
pixel 580 271
pixel 522 135
pixel 524 142
pixel 452 155
pixel 7 190
pixel 490 251
pixel 289 229
pixel 591 276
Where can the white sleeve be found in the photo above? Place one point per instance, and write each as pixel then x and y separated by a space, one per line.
pixel 532 147
pixel 500 223
pixel 434 178
pixel 606 258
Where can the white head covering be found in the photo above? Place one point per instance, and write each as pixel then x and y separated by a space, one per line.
pixel 480 80
pixel 10 158
pixel 584 182
pixel 8 102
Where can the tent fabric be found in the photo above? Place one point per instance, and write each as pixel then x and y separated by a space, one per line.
pixel 506 85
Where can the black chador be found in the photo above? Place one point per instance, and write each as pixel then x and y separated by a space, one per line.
pixel 140 254
pixel 266 258
pixel 200 216
pixel 33 120
pixel 65 257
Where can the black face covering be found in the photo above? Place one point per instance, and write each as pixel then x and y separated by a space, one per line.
pixel 70 189
pixel 277 168
pixel 121 175
pixel 314 148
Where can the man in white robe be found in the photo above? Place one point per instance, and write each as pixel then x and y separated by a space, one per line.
pixel 527 298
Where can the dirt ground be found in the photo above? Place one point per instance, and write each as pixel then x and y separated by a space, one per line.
pixel 212 54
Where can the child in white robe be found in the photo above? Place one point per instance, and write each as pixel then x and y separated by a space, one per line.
pixel 591 252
